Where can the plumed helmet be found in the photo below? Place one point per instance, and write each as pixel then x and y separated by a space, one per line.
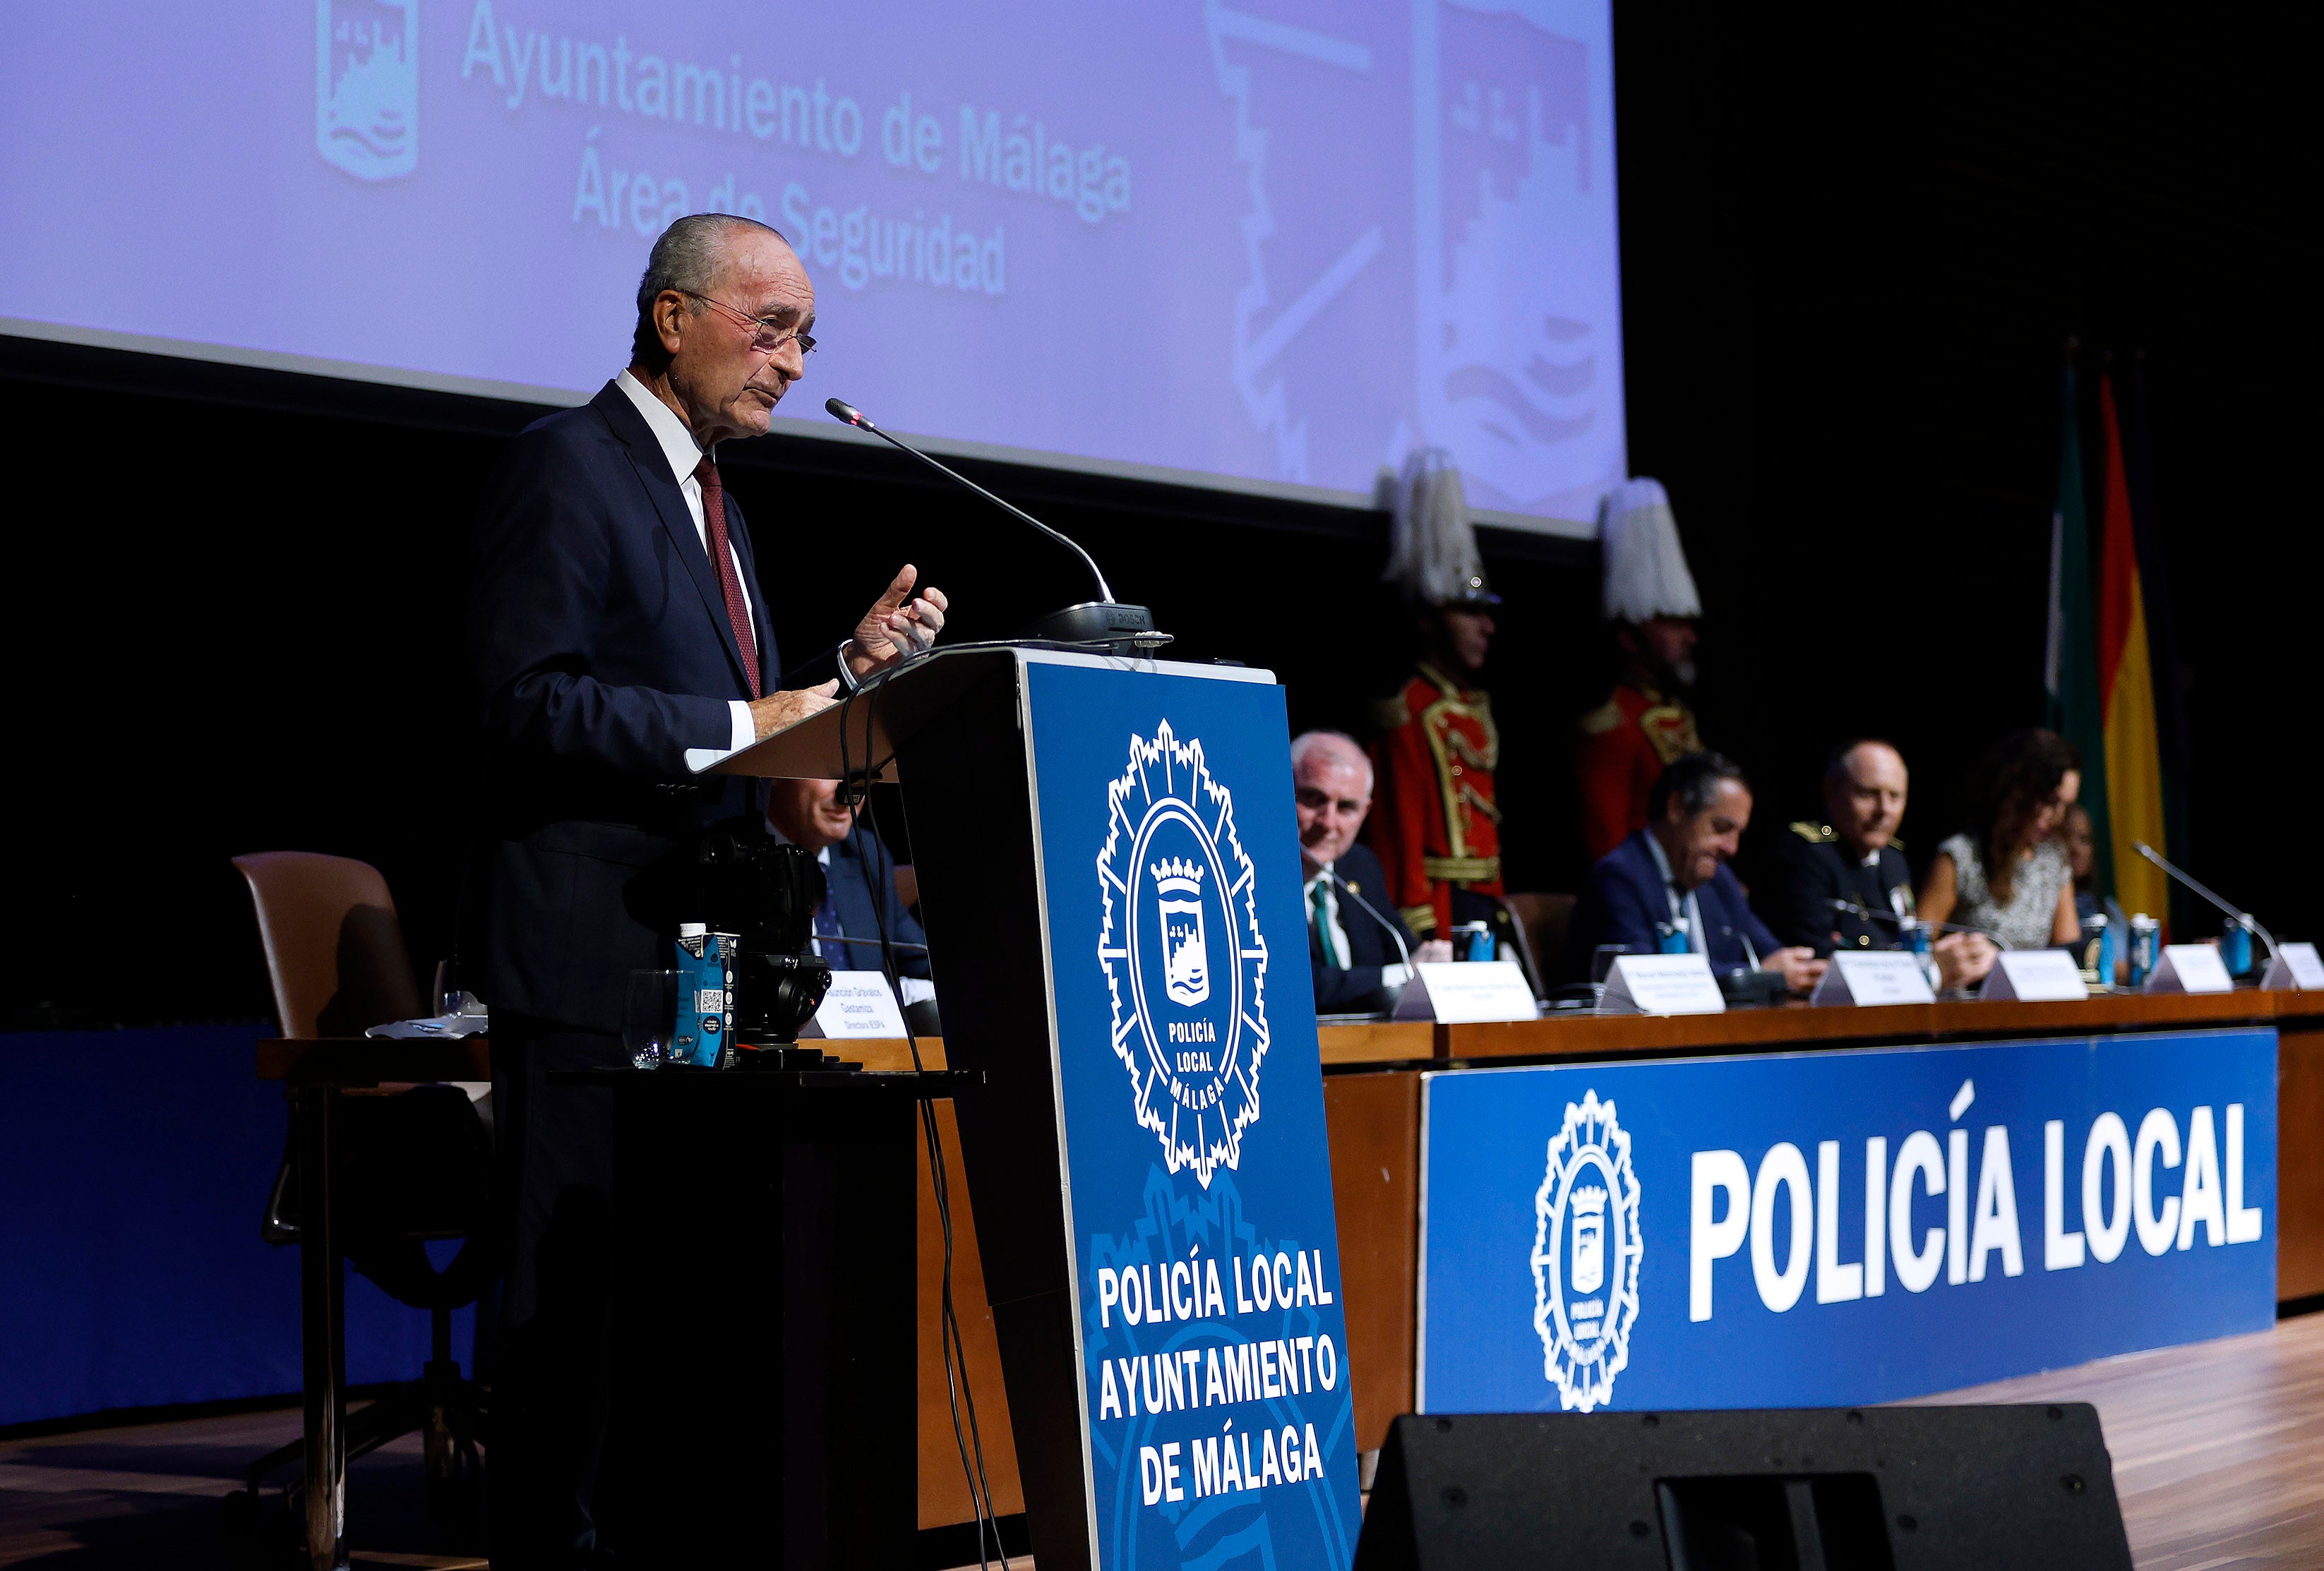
pixel 1432 545
pixel 1646 567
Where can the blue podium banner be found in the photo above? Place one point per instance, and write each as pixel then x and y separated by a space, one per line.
pixel 1841 1228
pixel 1207 1265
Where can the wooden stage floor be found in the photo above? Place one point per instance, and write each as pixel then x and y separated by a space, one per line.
pixel 2217 1448
pixel 2218 1457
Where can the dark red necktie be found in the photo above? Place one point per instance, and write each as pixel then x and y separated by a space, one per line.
pixel 738 608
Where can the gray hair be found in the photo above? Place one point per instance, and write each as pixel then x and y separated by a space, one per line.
pixel 686 258
pixel 1306 743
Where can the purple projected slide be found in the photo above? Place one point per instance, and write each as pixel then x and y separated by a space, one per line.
pixel 1271 242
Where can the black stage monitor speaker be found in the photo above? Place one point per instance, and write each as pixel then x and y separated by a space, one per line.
pixel 1817 1489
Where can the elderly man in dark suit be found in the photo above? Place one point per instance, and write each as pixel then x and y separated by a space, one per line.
pixel 618 639
pixel 1358 945
pixel 1668 884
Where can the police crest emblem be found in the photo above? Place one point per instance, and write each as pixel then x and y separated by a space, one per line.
pixel 1185 966
pixel 1586 1253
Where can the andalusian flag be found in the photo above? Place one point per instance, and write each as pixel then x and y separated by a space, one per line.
pixel 2134 757
pixel 2071 671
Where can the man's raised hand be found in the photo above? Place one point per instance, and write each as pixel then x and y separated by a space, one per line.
pixel 898 625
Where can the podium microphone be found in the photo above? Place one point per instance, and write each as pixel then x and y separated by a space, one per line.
pixel 2234 916
pixel 1100 621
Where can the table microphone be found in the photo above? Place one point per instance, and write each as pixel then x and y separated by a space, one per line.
pixel 1100 621
pixel 2245 917
pixel 1869 913
pixel 1350 890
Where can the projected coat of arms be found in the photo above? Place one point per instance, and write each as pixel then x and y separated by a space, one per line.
pixel 1184 961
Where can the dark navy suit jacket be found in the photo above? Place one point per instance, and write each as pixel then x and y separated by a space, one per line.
pixel 1625 898
pixel 601 652
pixel 1358 987
pixel 862 879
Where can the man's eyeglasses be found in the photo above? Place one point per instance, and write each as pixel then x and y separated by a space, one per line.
pixel 768 336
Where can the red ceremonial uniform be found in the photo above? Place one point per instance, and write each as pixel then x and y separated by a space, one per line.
pixel 1433 821
pixel 1626 742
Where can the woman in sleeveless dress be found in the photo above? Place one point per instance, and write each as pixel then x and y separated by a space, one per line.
pixel 2008 873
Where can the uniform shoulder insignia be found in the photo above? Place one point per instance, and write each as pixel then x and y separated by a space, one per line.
pixel 1606 717
pixel 1815 834
pixel 1391 713
pixel 1894 844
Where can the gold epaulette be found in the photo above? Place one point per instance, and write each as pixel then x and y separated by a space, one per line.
pixel 1895 844
pixel 1461 869
pixel 1815 834
pixel 1421 919
pixel 1606 717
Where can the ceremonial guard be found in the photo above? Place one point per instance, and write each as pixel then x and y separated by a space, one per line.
pixel 1651 606
pixel 1434 824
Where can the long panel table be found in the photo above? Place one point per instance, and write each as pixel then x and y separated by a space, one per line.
pixel 1372 1103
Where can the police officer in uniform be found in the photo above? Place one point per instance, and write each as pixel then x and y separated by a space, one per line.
pixel 1855 858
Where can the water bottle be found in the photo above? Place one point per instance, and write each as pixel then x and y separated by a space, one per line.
pixel 2236 946
pixel 1916 939
pixel 2099 951
pixel 1671 937
pixel 1473 941
pixel 2146 934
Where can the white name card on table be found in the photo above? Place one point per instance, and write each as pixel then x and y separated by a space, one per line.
pixel 859 1004
pixel 2296 967
pixel 2190 968
pixel 1874 977
pixel 2034 976
pixel 1662 984
pixel 1467 993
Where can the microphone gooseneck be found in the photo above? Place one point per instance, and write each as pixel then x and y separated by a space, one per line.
pixel 1869 913
pixel 1394 933
pixel 2152 855
pixel 848 415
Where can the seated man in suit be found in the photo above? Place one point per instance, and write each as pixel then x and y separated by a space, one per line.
pixel 1669 885
pixel 1853 857
pixel 1356 941
pixel 859 879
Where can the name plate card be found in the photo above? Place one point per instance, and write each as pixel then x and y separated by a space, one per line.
pixel 2190 968
pixel 1662 984
pixel 859 1004
pixel 2034 976
pixel 2295 967
pixel 1464 993
pixel 1874 977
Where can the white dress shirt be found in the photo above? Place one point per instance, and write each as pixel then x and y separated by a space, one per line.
pixel 1688 911
pixel 685 455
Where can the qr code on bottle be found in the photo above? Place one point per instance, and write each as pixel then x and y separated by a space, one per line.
pixel 710 1001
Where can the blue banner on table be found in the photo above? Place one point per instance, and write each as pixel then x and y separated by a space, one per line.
pixel 1833 1228
pixel 1220 1428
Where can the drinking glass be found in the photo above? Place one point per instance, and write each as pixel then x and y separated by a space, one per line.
pixel 648 1016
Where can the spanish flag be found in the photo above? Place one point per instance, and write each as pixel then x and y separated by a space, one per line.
pixel 2134 761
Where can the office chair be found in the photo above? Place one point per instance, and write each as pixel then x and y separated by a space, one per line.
pixel 410 1166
